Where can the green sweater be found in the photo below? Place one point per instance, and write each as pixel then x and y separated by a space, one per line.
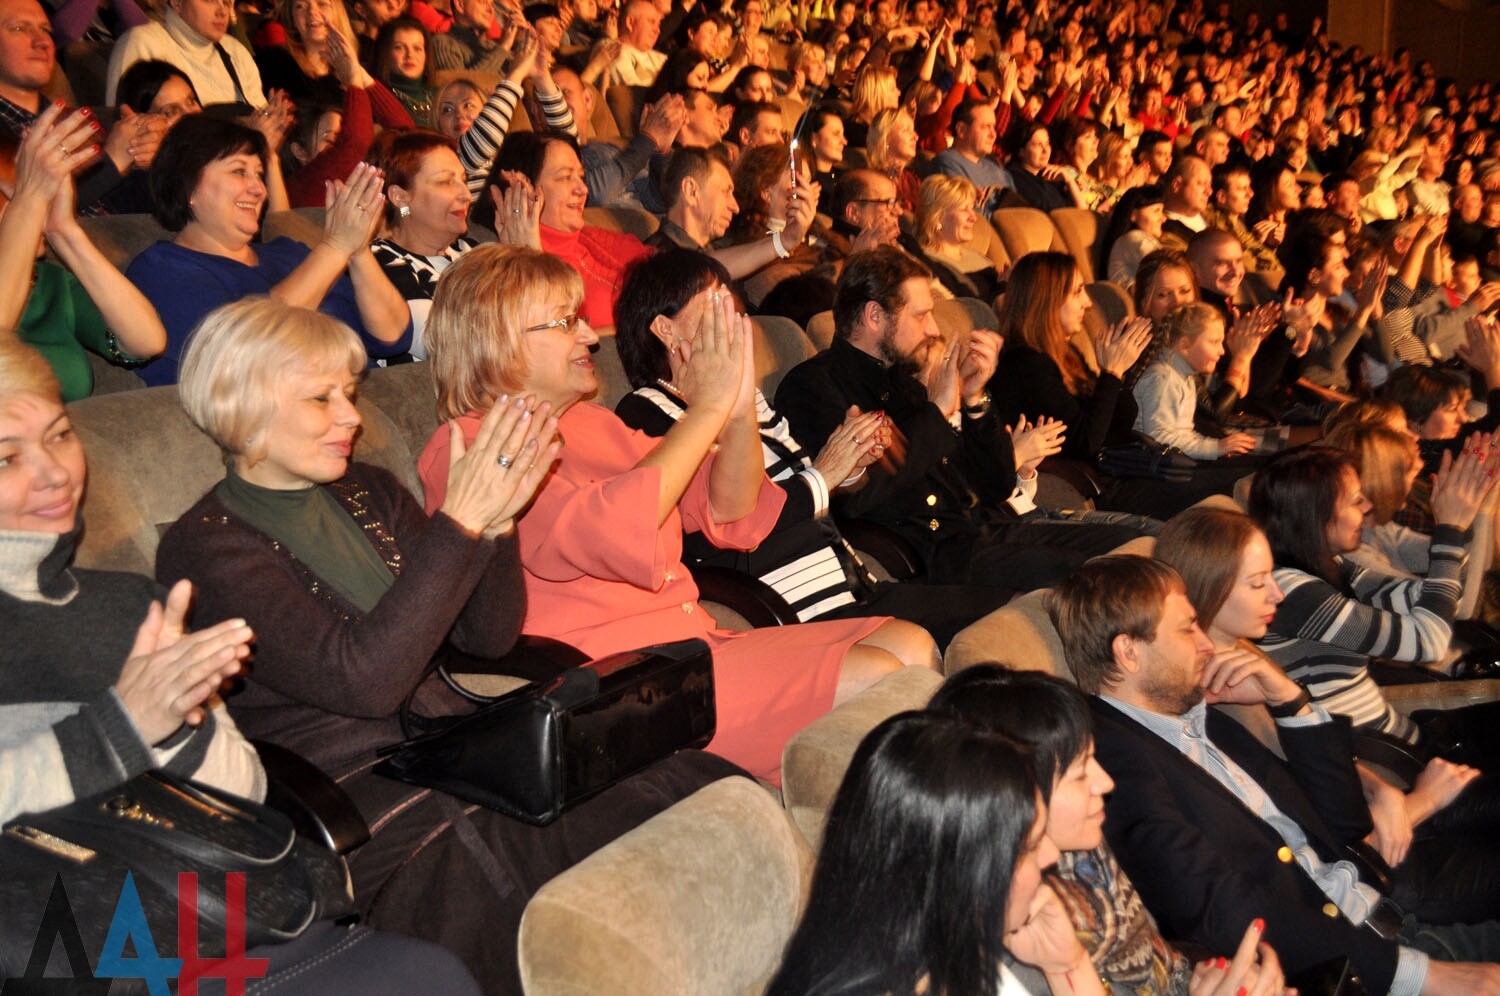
pixel 61 321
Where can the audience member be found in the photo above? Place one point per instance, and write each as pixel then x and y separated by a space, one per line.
pixel 192 35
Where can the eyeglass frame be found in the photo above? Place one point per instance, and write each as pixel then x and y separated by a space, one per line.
pixel 569 322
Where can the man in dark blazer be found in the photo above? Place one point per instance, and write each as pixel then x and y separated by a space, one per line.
pixel 1213 828
pixel 954 476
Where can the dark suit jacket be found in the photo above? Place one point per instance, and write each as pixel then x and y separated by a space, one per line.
pixel 1206 865
pixel 934 484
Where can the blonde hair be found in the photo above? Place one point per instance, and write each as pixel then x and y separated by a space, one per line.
pixel 23 370
pixel 239 354
pixel 882 128
pixel 938 194
pixel 338 20
pixel 1189 322
pixel 436 111
pixel 874 90
pixel 475 333
pixel 1384 457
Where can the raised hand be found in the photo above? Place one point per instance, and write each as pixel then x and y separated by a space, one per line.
pixel 169 675
pixel 353 209
pixel 343 61
pixel 1120 346
pixel 714 374
pixel 525 55
pixel 940 375
pixel 1462 484
pixel 518 211
pixel 52 149
pixel 275 119
pixel 1035 442
pixel 977 361
pixel 1244 339
pixel 492 481
pixel 662 120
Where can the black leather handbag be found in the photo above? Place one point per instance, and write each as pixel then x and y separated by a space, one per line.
pixel 155 827
pixel 1144 457
pixel 548 745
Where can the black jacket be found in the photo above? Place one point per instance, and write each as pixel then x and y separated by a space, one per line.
pixel 1206 866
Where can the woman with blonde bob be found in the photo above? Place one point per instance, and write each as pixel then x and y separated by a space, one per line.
pixel 947 214
pixel 602 543
pixel 890 149
pixel 351 589
pixel 102 680
pixel 874 90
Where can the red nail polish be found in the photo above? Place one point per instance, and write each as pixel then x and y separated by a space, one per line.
pixel 85 112
pixel 1242 992
pixel 1259 925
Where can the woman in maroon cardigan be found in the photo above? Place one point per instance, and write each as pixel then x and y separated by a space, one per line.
pixel 351 589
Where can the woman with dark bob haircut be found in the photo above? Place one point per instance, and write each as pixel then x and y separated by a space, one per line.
pixel 930 870
pixel 804 560
pixel 1337 616
pixel 208 185
pixel 1124 946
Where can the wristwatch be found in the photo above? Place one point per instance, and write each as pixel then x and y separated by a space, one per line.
pixel 1289 709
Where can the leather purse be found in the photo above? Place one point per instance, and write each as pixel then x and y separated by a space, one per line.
pixel 155 827
pixel 1144 457
pixel 535 751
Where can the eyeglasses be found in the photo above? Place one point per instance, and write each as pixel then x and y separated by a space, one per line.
pixel 566 322
pixel 883 202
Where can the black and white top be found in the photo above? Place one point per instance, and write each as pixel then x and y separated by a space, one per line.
pixel 416 277
pixel 804 560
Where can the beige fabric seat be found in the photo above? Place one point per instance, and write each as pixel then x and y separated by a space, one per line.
pixel 815 760
pixel 1080 229
pixel 698 901
pixel 1026 229
pixel 623 218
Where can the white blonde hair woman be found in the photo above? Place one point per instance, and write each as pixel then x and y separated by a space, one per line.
pixel 351 589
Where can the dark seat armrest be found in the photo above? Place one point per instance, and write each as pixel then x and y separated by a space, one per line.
pixel 1392 753
pixel 536 658
pixel 890 549
pixel 317 807
pixel 1398 673
pixel 1372 867
pixel 752 598
pixel 1078 475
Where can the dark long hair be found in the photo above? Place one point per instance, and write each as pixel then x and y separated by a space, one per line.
pixel 1292 499
pixel 659 284
pixel 1043 712
pixel 916 864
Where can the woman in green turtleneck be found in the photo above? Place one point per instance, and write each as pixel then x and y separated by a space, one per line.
pixel 401 63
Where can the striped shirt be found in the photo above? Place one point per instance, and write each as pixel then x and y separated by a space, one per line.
pixel 814 583
pixel 1325 637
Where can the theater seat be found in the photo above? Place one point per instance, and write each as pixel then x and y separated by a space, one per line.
pixel 814 762
pixel 623 218
pixel 701 900
pixel 1026 229
pixel 1079 228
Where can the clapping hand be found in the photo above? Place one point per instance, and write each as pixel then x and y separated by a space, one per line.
pixel 940 374
pixel 859 441
pixel 171 674
pixel 518 211
pixel 977 361
pixel 1462 484
pixel 274 119
pixel 52 149
pixel 715 375
pixel 1118 347
pixel 354 209
pixel 1035 442
pixel 491 481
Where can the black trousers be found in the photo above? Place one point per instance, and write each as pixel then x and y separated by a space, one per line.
pixel 1024 555
pixel 941 609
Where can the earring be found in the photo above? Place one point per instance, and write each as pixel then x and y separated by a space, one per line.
pixel 404 210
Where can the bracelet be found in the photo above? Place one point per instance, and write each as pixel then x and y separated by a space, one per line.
pixel 850 480
pixel 776 243
pixel 775 225
pixel 1289 709
pixel 980 410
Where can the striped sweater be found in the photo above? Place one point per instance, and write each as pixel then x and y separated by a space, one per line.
pixel 1325 637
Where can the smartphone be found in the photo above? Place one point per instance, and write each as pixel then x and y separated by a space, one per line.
pixel 791 161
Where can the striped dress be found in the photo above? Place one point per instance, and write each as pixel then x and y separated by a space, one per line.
pixel 1325 637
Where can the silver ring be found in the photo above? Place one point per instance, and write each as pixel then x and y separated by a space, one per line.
pixel 504 462
pixel 515 210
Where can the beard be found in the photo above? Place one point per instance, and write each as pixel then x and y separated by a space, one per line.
pixel 909 364
pixel 1171 692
